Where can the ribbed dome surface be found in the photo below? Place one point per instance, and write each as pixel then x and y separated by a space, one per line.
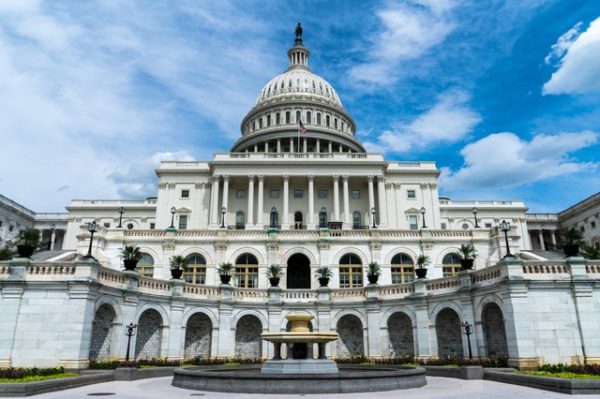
pixel 299 81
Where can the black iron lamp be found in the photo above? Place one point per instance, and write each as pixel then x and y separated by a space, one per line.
pixel 423 217
pixel 468 333
pixel 373 212
pixel 475 211
pixel 130 332
pixel 121 211
pixel 173 212
pixel 223 212
pixel 92 228
pixel 505 227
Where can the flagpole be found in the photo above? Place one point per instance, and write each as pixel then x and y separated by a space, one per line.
pixel 299 136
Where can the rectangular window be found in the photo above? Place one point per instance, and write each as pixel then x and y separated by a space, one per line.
pixel 322 193
pixel 404 274
pixel 107 225
pixel 277 118
pixel 582 228
pixel 268 120
pixel 412 219
pixel 592 223
pixel 240 194
pixel 411 194
pixel 183 222
pixel 194 274
pixel 11 228
pixel 152 225
pixel 287 117
pixel 274 194
pixel 488 225
pixel 450 270
pixel 355 194
pixel 444 226
pixel 298 193
pixel 185 193
pixel 246 277
pixel 351 276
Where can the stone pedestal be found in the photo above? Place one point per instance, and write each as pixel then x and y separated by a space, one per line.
pixel 299 366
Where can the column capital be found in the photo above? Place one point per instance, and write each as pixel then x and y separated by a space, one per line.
pixel 345 177
pixel 251 177
pixel 370 178
pixel 261 177
pixel 225 178
pixel 335 178
pixel 311 177
pixel 286 178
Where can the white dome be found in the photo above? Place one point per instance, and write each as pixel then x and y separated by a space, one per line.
pixel 299 81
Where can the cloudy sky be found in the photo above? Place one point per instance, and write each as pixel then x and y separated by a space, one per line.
pixel 504 95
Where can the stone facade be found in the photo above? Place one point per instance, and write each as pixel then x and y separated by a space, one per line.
pixel 102 333
pixel 494 332
pixel 148 337
pixel 248 343
pixel 449 334
pixel 198 336
pixel 350 343
pixel 400 331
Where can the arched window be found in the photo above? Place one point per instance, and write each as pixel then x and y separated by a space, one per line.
pixel 351 274
pixel 269 120
pixel 145 266
pixel 323 217
pixel 287 117
pixel 195 269
pixel 335 123
pixel 277 118
pixel 403 269
pixel 356 220
pixel 254 125
pixel 318 119
pixel 274 220
pixel 327 120
pixel 451 265
pixel 309 117
pixel 298 220
pixel 298 116
pixel 260 122
pixel 239 220
pixel 246 271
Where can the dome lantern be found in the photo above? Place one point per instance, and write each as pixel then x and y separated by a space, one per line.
pixel 298 54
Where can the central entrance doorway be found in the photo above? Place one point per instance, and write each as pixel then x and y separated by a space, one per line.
pixel 298 272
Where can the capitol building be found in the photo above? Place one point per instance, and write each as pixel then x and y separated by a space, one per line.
pixel 299 190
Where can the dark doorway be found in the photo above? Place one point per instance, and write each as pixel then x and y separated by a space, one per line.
pixel 298 272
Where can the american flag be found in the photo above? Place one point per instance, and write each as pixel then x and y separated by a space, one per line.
pixel 301 127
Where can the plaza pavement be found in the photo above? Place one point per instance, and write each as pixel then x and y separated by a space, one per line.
pixel 437 388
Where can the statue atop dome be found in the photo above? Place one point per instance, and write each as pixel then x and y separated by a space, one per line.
pixel 298 40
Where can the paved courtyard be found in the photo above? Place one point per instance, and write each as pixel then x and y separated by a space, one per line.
pixel 437 387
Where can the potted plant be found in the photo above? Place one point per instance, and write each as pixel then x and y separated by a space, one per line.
pixel 422 262
pixel 323 274
pixel 373 272
pixel 468 254
pixel 177 264
pixel 571 239
pixel 131 256
pixel 224 271
pixel 591 251
pixel 274 274
pixel 6 253
pixel 27 242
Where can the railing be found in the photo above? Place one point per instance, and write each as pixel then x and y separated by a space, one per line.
pixel 299 295
pixel 151 284
pixel 250 294
pixel 336 156
pixel 347 294
pixel 592 267
pixel 110 276
pixel 51 269
pixel 545 268
pixel 203 291
pixel 489 275
pixel 442 283
pixel 398 291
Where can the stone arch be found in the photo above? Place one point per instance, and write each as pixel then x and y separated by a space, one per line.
pixel 102 331
pixel 249 312
pixel 302 250
pixel 440 256
pixel 149 334
pixel 248 341
pixel 298 271
pixel 448 332
pixel 345 312
pixel 400 332
pixel 400 250
pixel 200 251
pixel 494 331
pixel 335 259
pixel 200 309
pixel 110 301
pixel 198 336
pixel 350 341
pixel 248 250
pixel 163 314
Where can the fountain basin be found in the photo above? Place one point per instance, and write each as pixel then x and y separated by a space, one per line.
pixel 299 337
pixel 249 379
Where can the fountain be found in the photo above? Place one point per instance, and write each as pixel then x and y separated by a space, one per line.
pixel 299 341
pixel 299 372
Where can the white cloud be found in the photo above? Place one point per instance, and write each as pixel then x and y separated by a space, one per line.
pixel 448 121
pixel 410 29
pixel 505 160
pixel 139 179
pixel 578 62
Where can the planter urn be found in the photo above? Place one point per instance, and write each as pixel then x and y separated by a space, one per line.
pixel 467 264
pixel 176 273
pixel 373 278
pixel 225 278
pixel 130 264
pixel 323 281
pixel 421 272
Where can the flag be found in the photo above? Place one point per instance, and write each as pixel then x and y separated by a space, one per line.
pixel 301 127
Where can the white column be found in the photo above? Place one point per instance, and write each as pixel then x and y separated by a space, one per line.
pixel 346 202
pixel 318 146
pixel 214 208
pixel 266 146
pixel 286 202
pixel 292 145
pixel 226 196
pixel 260 205
pixel 255 147
pixel 311 202
pixel 371 197
pixel 278 146
pixel 53 238
pixel 305 145
pixel 382 202
pixel 336 199
pixel 553 237
pixel 250 214
pixel 330 147
pixel 541 238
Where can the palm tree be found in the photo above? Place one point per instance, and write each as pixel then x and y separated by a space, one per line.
pixel 591 251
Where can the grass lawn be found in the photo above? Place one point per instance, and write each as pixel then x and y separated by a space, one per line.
pixel 563 374
pixel 38 378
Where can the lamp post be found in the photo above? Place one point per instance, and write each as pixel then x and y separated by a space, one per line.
pixel 505 227
pixel 468 333
pixel 121 210
pixel 173 212
pixel 373 212
pixel 223 212
pixel 92 228
pixel 423 217
pixel 130 332
pixel 475 210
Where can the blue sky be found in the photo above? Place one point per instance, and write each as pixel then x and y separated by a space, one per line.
pixel 503 95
